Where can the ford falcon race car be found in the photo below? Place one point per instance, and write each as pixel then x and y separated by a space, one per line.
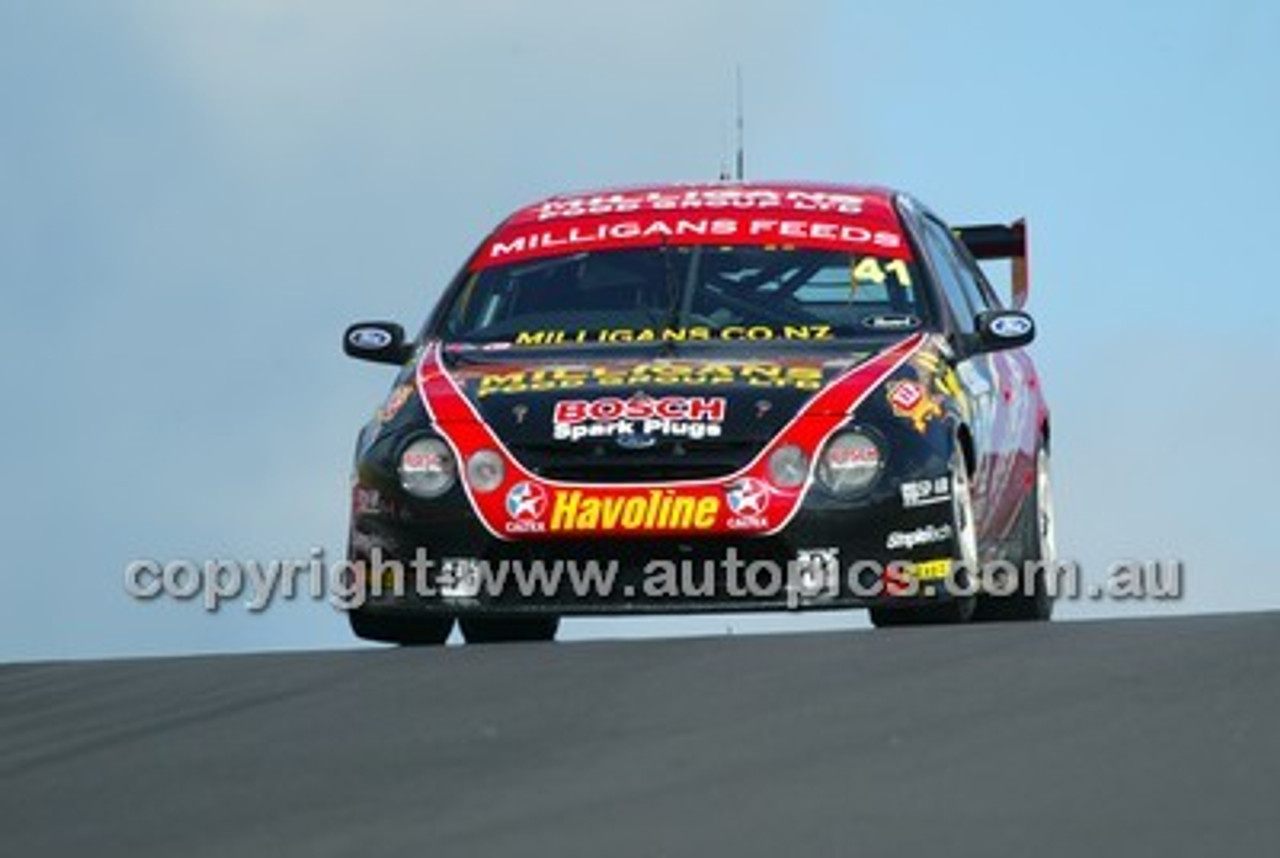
pixel 707 397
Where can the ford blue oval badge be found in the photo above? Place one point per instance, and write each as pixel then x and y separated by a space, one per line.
pixel 635 441
pixel 369 338
pixel 1011 327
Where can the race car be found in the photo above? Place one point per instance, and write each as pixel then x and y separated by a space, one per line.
pixel 732 396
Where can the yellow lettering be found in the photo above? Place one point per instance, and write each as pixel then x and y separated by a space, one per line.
pixel 704 517
pixel 868 270
pixel 805 377
pixel 565 510
pixel 900 271
pixel 657 510
pixel 510 382
pixel 634 514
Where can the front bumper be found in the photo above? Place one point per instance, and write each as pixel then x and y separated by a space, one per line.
pixel 436 557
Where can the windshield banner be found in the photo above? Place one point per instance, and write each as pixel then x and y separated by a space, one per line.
pixel 698 216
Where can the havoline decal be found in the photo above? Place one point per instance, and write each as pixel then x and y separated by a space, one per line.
pixel 526 506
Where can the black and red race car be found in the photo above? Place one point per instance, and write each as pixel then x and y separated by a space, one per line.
pixel 707 397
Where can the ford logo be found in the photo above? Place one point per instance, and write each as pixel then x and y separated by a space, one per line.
pixel 1011 327
pixel 891 322
pixel 369 338
pixel 635 442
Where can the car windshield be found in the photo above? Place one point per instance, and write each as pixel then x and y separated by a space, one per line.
pixel 684 293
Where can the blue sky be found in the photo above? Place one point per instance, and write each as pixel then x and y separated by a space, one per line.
pixel 196 197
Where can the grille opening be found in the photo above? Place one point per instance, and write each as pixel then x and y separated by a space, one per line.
pixel 607 462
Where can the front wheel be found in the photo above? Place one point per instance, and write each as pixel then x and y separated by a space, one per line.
pixel 952 608
pixel 1037 551
pixel 535 627
pixel 397 629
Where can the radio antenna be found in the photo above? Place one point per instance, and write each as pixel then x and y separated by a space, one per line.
pixel 741 161
pixel 725 175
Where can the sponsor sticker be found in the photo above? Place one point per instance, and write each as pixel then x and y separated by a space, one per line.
pixel 748 500
pixel 758 216
pixel 686 417
pixel 931 365
pixel 912 400
pixel 574 510
pixel 650 375
pixel 703 198
pixel 422 462
pixel 931 570
pixel 460 578
pixel 535 509
pixel 526 505
pixel 366 501
pixel 697 333
pixel 855 455
pixel 529 242
pixel 918 493
pixel 891 322
pixel 908 539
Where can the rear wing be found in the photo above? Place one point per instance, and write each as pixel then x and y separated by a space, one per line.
pixel 1001 241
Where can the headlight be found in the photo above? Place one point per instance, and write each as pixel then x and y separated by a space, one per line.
pixel 788 467
pixel 850 463
pixel 485 471
pixel 427 468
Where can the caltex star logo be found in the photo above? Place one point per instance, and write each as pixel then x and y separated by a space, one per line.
pixel 747 496
pixel 526 501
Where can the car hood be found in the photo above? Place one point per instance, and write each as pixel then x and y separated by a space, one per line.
pixel 643 399
pixel 644 436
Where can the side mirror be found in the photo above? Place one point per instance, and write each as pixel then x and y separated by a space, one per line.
pixel 1004 329
pixel 379 342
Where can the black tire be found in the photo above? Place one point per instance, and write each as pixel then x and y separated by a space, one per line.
pixel 953 609
pixel 950 612
pixel 533 627
pixel 1035 550
pixel 428 630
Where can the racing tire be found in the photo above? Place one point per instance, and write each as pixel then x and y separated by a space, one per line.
pixel 431 630
pixel 521 629
pixel 955 608
pixel 1036 551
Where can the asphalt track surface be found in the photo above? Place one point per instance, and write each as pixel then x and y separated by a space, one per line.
pixel 1136 737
